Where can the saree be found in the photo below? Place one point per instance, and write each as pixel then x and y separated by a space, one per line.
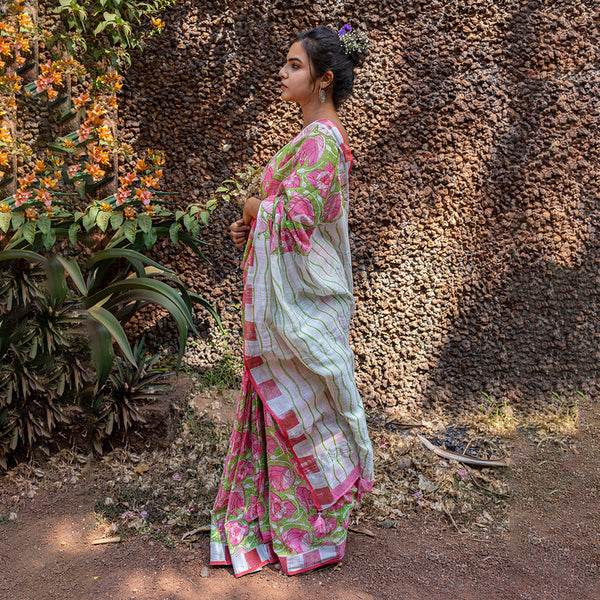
pixel 300 454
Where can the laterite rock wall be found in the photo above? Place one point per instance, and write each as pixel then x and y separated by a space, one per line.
pixel 475 202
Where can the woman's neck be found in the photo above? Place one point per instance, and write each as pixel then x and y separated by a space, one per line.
pixel 315 112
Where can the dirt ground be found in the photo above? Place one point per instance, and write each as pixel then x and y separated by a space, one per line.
pixel 551 550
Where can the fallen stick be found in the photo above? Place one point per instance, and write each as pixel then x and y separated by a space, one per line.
pixel 201 529
pixel 110 540
pixel 464 458
pixel 362 531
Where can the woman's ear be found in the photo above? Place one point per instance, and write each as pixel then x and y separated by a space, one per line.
pixel 327 79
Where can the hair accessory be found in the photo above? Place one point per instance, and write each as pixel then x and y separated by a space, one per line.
pixel 322 96
pixel 352 41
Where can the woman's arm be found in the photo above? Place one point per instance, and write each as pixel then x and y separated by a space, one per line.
pixel 251 207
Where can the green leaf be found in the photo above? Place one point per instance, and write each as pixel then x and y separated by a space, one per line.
pixel 73 231
pixel 150 238
pixel 24 254
pixel 211 204
pixel 103 219
pixel 49 239
pixel 179 214
pixel 56 281
pixel 18 218
pixel 204 217
pixel 5 219
pixel 221 189
pixel 108 320
pixel 103 355
pixel 174 232
pixel 208 306
pixel 145 222
pixel 187 222
pixel 131 255
pixel 44 224
pixel 72 268
pixel 116 220
pixel 193 210
pixel 130 230
pixel 29 230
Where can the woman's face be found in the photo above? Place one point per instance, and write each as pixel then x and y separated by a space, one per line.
pixel 297 84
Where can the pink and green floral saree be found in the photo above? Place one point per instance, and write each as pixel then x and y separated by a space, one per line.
pixel 300 453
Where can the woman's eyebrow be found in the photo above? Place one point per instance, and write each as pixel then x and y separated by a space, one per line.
pixel 296 59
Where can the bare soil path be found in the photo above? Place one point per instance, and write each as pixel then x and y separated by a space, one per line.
pixel 550 553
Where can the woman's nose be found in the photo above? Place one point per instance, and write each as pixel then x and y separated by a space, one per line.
pixel 282 73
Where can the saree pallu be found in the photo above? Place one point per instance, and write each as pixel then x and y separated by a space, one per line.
pixel 300 428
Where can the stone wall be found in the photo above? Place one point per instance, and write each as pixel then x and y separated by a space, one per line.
pixel 475 208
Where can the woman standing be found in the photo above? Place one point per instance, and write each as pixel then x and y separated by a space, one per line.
pixel 300 454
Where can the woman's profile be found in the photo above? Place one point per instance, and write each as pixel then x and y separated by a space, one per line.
pixel 300 454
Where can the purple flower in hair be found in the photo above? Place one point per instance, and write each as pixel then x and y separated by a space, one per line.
pixel 345 29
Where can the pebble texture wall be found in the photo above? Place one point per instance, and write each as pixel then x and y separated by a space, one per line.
pixel 475 216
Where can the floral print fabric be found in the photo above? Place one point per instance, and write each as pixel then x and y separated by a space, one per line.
pixel 264 511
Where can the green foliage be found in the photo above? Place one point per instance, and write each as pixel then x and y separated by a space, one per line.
pixel 108 29
pixel 61 317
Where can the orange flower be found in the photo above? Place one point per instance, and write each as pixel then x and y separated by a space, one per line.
pixel 40 166
pixel 31 214
pixel 25 21
pixel 57 161
pixel 49 182
pixel 105 134
pixel 122 194
pixel 5 136
pixel 5 48
pixel 112 102
pixel 100 156
pixel 127 179
pixel 22 44
pixel 4 159
pixel 84 132
pixel 68 144
pixel 81 100
pixel 149 181
pixel 141 165
pixel 129 213
pixel 73 170
pixel 5 208
pixel 44 196
pixel 158 23
pixel 106 207
pixel 144 196
pixel 157 158
pixel 149 209
pixel 27 180
pixel 94 170
pixel 52 93
pixel 21 197
pixel 158 173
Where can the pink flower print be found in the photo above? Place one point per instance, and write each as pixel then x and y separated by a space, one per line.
pixel 259 481
pixel 346 153
pixel 297 541
pixel 332 208
pixel 305 498
pixel 312 150
pixel 235 532
pixel 244 470
pixel 301 210
pixel 272 446
pixel 318 525
pixel 291 181
pixel 280 509
pixel 236 503
pixel 321 179
pixel 281 478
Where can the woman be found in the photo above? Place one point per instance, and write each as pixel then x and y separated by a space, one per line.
pixel 300 453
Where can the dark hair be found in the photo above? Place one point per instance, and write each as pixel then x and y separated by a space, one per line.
pixel 325 53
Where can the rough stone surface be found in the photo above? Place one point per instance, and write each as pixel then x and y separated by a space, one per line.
pixel 474 128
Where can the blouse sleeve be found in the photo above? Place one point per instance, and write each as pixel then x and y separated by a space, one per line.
pixel 307 196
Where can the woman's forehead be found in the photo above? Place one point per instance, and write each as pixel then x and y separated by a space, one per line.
pixel 297 51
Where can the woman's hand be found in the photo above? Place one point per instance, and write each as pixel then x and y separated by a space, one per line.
pixel 239 233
